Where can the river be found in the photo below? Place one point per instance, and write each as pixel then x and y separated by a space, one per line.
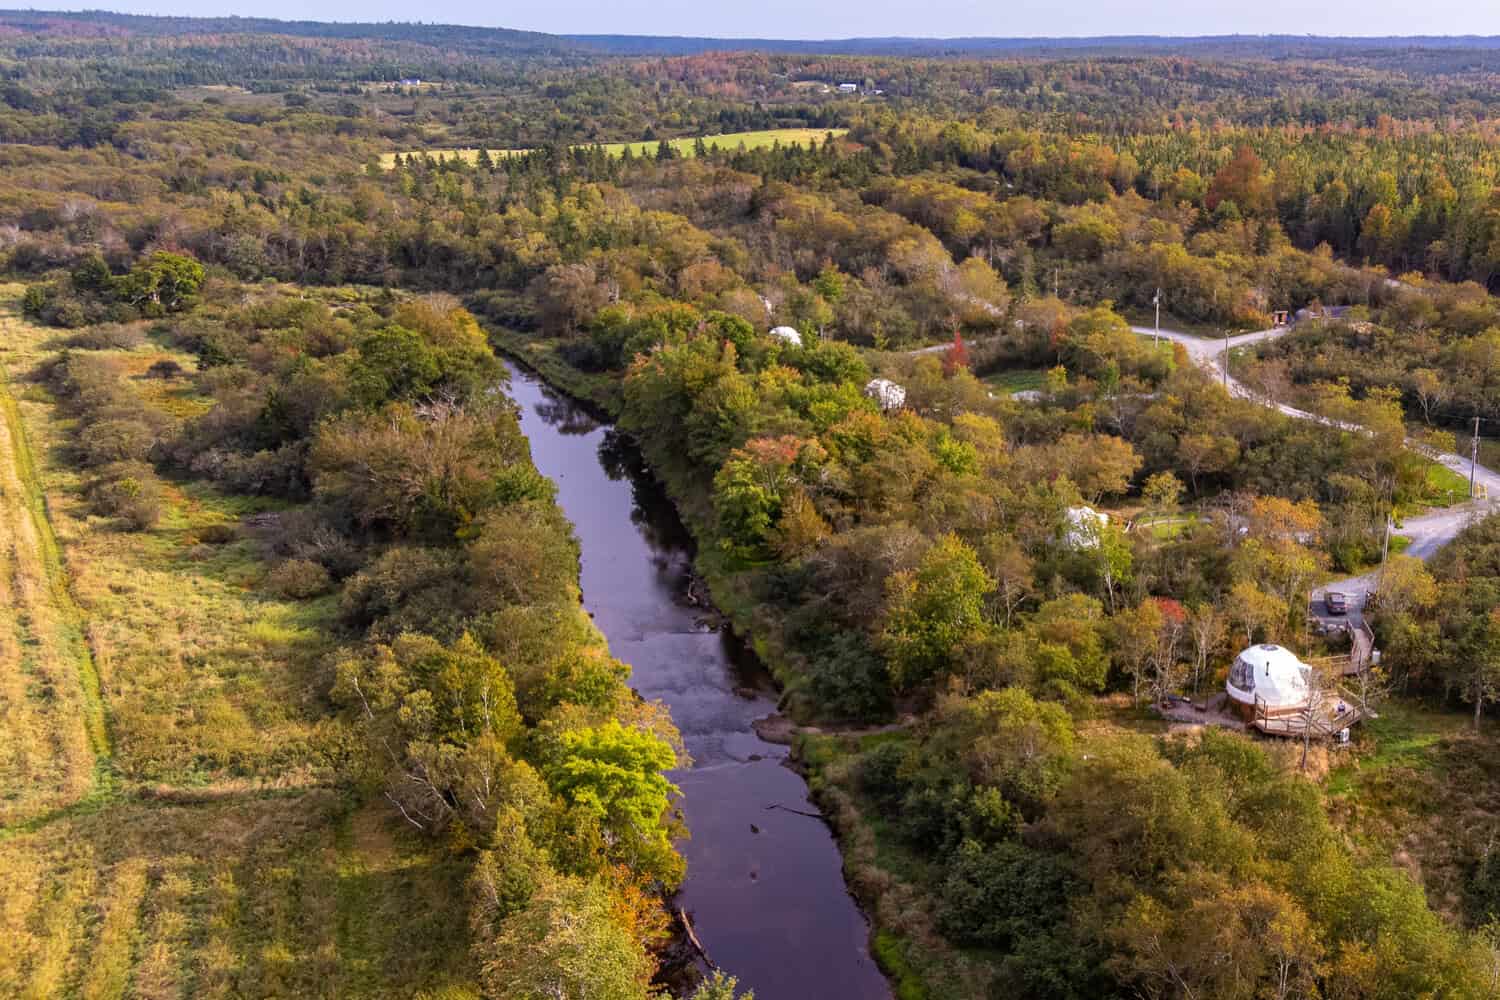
pixel 765 886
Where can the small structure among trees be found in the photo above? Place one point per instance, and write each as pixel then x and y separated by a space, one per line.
pixel 886 393
pixel 787 335
pixel 1084 527
pixel 1274 691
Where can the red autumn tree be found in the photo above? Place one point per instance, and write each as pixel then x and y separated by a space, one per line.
pixel 957 355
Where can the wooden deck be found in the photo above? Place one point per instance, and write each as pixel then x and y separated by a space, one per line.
pixel 1351 663
pixel 1325 721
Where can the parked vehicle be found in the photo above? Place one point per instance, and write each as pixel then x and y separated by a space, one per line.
pixel 1337 603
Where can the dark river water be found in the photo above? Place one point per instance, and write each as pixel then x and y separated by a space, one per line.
pixel 770 906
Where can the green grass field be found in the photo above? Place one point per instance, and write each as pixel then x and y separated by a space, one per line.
pixel 1166 527
pixel 1016 380
pixel 1444 487
pixel 684 147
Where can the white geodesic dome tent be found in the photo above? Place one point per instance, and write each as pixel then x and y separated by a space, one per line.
pixel 1084 526
pixel 887 394
pixel 787 335
pixel 1269 674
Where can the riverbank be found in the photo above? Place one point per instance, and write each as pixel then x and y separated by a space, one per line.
pixel 603 396
pixel 765 891
pixel 918 965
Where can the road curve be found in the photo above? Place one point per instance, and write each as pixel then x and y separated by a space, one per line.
pixel 1428 532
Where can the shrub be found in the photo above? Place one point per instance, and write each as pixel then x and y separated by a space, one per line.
pixel 165 368
pixel 408 589
pixel 34 301
pixel 994 896
pixel 880 774
pixel 847 679
pixel 108 336
pixel 129 491
pixel 124 440
pixel 298 579
pixel 306 534
pixel 218 533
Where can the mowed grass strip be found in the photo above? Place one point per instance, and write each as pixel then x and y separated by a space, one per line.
pixel 259 895
pixel 728 142
pixel 52 728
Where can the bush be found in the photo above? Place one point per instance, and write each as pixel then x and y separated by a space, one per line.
pixel 129 491
pixel 847 680
pixel 995 896
pixel 218 533
pixel 165 368
pixel 306 534
pixel 108 336
pixel 34 301
pixel 124 440
pixel 298 579
pixel 880 774
pixel 409 589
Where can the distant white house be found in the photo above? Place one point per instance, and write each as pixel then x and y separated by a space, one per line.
pixel 1084 527
pixel 848 88
pixel 787 335
pixel 887 394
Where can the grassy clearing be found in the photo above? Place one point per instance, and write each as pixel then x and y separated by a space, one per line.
pixel 209 680
pixel 256 896
pixel 1165 527
pixel 53 738
pixel 1424 789
pixel 730 142
pixel 1017 380
pixel 1444 487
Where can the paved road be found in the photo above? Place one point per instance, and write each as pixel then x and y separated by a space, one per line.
pixel 1209 353
pixel 1428 533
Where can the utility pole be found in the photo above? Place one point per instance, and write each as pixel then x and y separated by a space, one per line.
pixel 1473 455
pixel 1156 301
pixel 1226 359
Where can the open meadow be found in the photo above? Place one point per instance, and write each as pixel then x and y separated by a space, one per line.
pixel 686 146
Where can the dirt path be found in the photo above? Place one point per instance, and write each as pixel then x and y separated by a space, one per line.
pixel 54 743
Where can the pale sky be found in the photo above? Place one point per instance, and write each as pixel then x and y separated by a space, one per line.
pixel 870 18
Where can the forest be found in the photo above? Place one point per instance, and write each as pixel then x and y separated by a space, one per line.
pixel 303 700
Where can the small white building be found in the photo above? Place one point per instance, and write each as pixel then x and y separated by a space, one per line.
pixel 887 394
pixel 787 335
pixel 1085 524
pixel 848 88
